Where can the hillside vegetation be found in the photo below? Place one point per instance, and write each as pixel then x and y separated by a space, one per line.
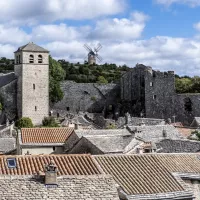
pixel 84 73
pixel 104 73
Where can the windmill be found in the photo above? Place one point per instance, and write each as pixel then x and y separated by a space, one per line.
pixel 93 55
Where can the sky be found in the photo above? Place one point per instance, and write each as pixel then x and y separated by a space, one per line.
pixel 163 34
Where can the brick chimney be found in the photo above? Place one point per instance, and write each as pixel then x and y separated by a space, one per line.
pixel 51 174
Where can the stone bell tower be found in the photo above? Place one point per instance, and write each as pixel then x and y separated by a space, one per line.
pixel 32 70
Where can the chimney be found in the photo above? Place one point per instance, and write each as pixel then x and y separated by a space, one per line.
pixel 51 174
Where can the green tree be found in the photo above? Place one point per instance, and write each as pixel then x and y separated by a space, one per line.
pixel 24 122
pixel 183 85
pixel 55 92
pixel 49 122
pixel 56 74
pixel 101 79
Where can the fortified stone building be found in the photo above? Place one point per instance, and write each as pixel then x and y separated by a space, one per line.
pixel 149 93
pixel 144 92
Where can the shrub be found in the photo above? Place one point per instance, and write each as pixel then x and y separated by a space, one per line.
pixel 49 122
pixel 111 126
pixel 24 122
pixel 93 98
pixel 102 80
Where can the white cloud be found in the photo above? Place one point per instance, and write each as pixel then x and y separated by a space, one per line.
pixel 61 32
pixel 163 53
pixel 197 26
pixel 33 11
pixel 120 29
pixel 191 3
pixel 13 35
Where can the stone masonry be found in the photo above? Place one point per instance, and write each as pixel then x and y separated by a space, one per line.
pixel 152 94
pixel 33 82
pixel 69 187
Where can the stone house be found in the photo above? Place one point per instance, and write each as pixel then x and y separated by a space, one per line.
pixel 42 140
pixel 101 141
pixel 154 176
pixel 109 177
pixel 54 177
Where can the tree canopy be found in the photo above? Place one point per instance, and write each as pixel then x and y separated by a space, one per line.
pixel 56 75
pixel 24 122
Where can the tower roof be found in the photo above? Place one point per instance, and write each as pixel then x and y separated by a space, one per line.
pixel 31 47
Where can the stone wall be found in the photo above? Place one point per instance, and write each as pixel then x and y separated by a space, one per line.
pixel 187 106
pixel 101 187
pixel 159 93
pixel 178 146
pixel 33 87
pixel 90 97
pixel 8 94
pixel 157 97
pixel 133 90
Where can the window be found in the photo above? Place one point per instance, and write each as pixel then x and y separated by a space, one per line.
pixel 39 58
pixel 54 148
pixel 11 162
pixel 151 84
pixel 35 108
pixel 67 108
pixel 19 59
pixel 34 86
pixel 154 97
pixel 188 104
pixel 31 59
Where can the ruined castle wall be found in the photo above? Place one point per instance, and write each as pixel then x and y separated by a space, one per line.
pixel 186 107
pixel 133 89
pixel 90 97
pixel 8 94
pixel 159 94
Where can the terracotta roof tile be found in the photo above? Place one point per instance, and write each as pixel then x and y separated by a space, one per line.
pixel 185 132
pixel 67 164
pixel 183 163
pixel 45 135
pixel 139 174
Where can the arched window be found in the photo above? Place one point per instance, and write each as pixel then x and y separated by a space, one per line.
pixel 34 86
pixel 39 58
pixel 31 59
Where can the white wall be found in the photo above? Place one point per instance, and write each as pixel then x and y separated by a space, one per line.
pixel 42 150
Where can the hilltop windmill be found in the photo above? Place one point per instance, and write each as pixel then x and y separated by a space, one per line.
pixel 93 55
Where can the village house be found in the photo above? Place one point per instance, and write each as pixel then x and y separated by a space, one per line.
pixel 109 177
pixel 42 140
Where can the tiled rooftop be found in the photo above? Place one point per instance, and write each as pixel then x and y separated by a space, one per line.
pixel 67 164
pixel 185 132
pixel 99 187
pixel 32 47
pixel 139 174
pixel 45 135
pixel 183 163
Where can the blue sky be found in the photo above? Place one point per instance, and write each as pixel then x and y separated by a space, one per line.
pixel 163 34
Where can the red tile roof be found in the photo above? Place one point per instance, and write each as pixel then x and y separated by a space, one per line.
pixel 45 135
pixel 67 164
pixel 183 163
pixel 139 174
